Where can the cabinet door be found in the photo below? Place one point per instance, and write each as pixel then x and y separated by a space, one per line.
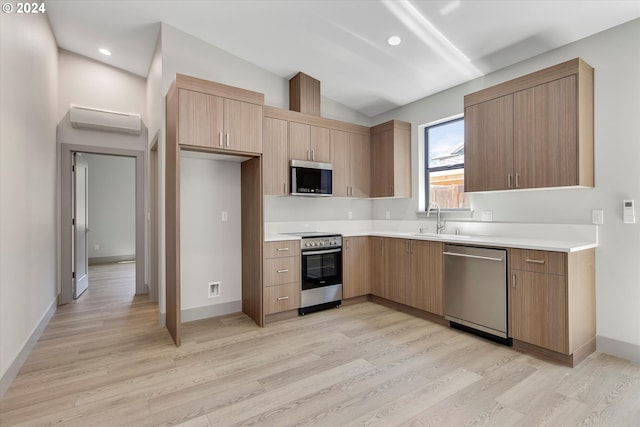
pixel 397 272
pixel 356 272
pixel 299 141
pixel 425 288
pixel 320 144
pixel 382 164
pixel 539 309
pixel 545 135
pixel 488 145
pixel 275 163
pixel 340 161
pixel 243 126
pixel 359 166
pixel 376 246
pixel 401 183
pixel 200 119
pixel 281 298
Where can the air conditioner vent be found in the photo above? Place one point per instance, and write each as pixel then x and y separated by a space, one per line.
pixel 112 121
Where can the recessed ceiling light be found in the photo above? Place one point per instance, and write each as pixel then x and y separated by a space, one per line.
pixel 394 40
pixel 105 51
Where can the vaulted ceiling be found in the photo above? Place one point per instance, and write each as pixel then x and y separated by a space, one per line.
pixel 342 43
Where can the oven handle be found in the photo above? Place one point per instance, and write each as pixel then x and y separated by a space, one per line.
pixel 328 251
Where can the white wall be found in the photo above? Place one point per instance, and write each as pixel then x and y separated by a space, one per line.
pixel 89 83
pixel 210 249
pixel 28 106
pixel 615 55
pixel 112 202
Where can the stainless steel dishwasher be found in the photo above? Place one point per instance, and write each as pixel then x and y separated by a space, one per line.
pixel 475 290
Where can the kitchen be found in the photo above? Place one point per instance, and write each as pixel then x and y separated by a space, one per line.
pixel 616 312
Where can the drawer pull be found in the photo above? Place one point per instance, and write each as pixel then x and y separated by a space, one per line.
pixel 535 261
pixel 282 298
pixel 282 249
pixel 282 271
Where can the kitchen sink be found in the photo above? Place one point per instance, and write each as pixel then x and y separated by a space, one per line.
pixel 442 236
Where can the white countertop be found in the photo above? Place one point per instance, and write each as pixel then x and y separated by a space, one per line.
pixel 494 241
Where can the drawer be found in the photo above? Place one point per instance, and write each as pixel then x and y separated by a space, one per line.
pixel 539 261
pixel 281 249
pixel 278 271
pixel 281 298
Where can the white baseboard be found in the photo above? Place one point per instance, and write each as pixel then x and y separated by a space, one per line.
pixel 14 368
pixel 207 311
pixel 621 349
pixel 199 313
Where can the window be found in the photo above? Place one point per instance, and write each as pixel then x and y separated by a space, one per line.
pixel 444 164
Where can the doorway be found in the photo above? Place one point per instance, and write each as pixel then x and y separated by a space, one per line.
pixel 67 154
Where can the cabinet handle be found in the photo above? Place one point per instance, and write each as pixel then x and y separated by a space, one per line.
pixel 308 154
pixel 517 180
pixel 509 180
pixel 513 282
pixel 313 155
pixel 535 261
pixel 282 249
pixel 220 139
pixel 284 186
pixel 282 271
pixel 227 140
pixel 282 298
pixel 346 243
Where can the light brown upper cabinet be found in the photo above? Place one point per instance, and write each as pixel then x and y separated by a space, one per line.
pixel 275 170
pixel 532 132
pixel 218 122
pixel 391 159
pixel 308 142
pixel 350 153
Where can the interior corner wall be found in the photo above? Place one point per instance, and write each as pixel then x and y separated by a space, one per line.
pixel 156 119
pixel 28 221
pixel 614 56
pixel 112 213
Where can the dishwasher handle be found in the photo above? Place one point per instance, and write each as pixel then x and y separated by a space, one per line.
pixel 486 258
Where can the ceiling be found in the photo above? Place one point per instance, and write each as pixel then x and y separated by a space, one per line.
pixel 342 43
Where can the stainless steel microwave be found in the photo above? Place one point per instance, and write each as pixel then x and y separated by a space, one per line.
pixel 311 178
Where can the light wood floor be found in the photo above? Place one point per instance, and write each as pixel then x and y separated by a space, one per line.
pixel 103 361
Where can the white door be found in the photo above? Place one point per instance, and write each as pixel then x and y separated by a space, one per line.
pixel 80 225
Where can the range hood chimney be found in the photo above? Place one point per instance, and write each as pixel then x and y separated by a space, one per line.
pixel 304 94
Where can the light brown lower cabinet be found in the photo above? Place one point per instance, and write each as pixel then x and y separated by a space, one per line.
pixel 281 276
pixel 408 271
pixel 552 300
pixel 356 267
pixel 281 298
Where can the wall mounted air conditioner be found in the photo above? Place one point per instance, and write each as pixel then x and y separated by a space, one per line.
pixel 93 118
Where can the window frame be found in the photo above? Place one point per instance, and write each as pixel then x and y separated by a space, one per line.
pixel 428 170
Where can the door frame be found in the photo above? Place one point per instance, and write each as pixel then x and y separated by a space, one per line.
pixel 65 294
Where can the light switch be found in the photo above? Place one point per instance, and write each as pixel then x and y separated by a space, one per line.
pixel 597 216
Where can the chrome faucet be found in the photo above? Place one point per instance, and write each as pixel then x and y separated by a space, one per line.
pixel 439 224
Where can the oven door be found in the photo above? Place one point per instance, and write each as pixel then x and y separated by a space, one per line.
pixel 321 268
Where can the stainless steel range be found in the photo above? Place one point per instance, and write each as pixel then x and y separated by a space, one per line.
pixel 321 271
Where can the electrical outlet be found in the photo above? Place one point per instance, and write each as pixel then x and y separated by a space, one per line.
pixel 349 215
pixel 224 216
pixel 597 216
pixel 96 247
pixel 487 215
pixel 387 215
